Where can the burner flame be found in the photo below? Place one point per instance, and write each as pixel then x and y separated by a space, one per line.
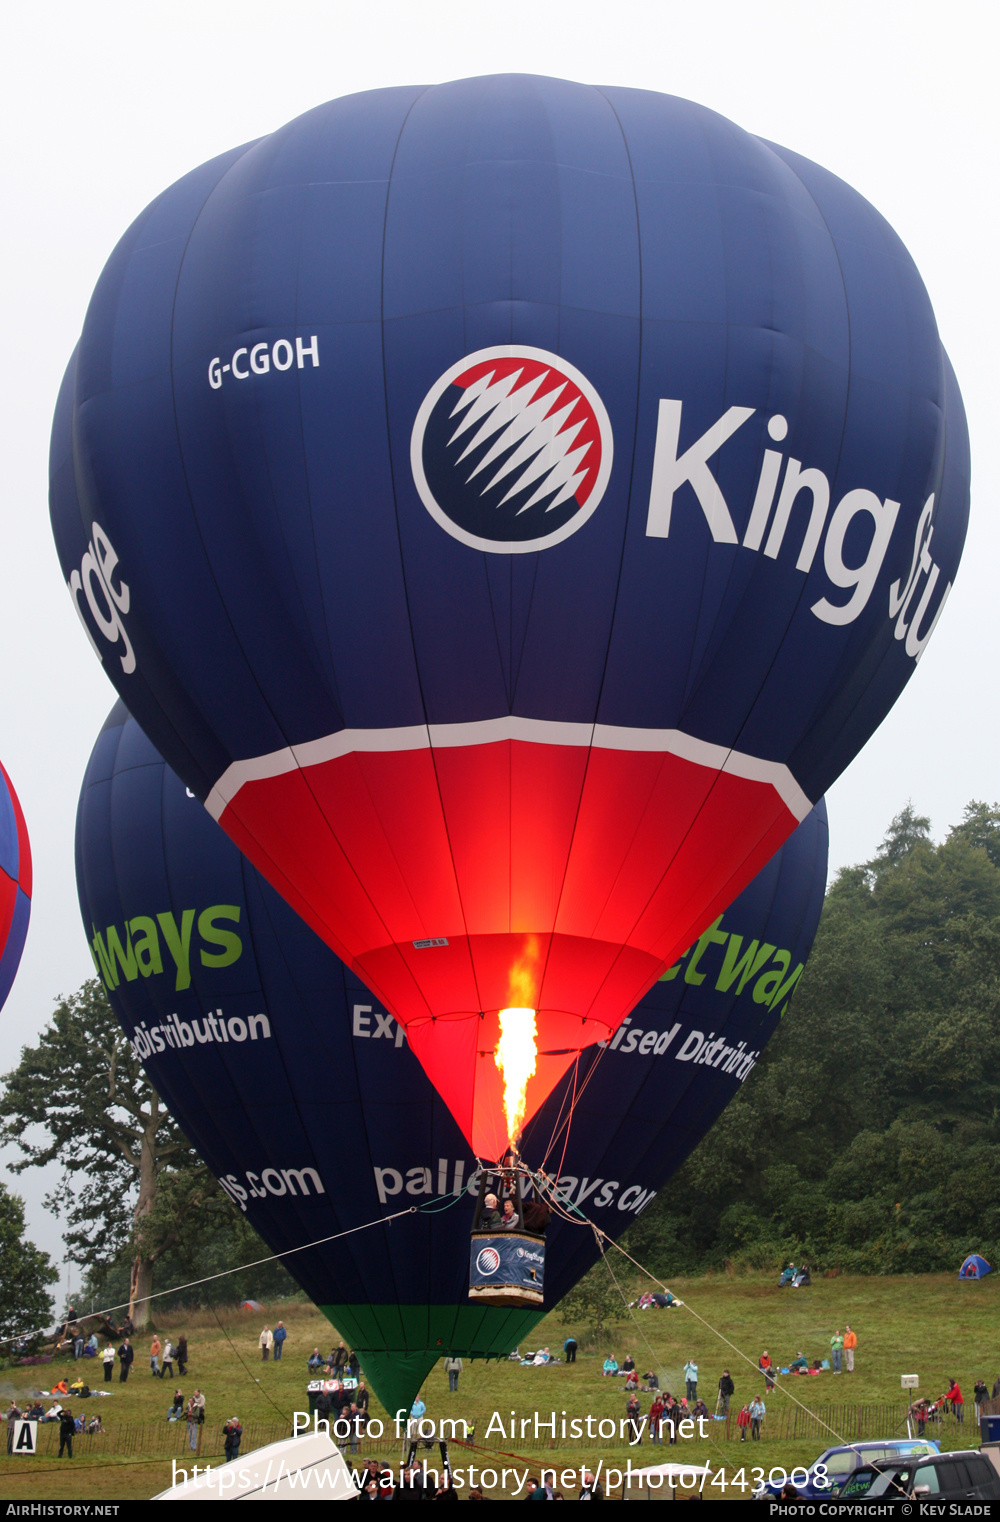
pixel 515 1056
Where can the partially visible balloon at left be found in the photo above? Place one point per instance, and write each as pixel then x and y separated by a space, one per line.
pixel 15 884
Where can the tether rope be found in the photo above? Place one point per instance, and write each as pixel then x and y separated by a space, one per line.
pixel 224 1274
pixel 575 1216
pixel 252 1377
pixel 571 1213
pixel 655 1356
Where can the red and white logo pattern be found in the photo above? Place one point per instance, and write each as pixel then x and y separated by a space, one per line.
pixel 511 450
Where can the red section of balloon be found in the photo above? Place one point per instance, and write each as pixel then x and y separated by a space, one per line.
pixel 548 886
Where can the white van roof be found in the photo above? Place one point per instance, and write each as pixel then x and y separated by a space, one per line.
pixel 307 1468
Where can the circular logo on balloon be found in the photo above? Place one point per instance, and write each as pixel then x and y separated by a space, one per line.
pixel 488 1261
pixel 511 450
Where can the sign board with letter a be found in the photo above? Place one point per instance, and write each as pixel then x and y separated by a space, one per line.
pixel 25 1438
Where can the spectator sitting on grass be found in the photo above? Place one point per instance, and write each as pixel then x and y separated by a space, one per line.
pixel 315 1360
pixel 799 1364
pixel 176 1409
pixel 610 1366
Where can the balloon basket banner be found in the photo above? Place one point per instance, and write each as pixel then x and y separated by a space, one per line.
pixel 506 1268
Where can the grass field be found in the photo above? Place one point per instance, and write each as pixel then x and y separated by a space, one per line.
pixel 934 1325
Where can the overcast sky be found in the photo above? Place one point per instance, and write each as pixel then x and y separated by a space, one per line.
pixel 105 104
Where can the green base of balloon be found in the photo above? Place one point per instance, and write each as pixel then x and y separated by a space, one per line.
pixel 398 1345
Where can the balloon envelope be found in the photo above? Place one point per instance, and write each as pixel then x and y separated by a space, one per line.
pixel 15 884
pixel 508 505
pixel 302 1095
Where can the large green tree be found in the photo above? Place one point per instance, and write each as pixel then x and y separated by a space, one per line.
pixel 132 1185
pixel 25 1303
pixel 596 1301
pixel 868 1135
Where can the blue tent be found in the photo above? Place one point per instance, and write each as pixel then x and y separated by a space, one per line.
pixel 974 1267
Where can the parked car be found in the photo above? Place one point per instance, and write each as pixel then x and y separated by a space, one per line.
pixel 965 1476
pixel 827 1475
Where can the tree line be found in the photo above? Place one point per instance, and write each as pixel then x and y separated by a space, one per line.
pixel 867 1137
pixel 138 1203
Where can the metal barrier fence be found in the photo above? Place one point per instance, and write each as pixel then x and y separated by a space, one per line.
pixel 850 1422
pixel 155 1440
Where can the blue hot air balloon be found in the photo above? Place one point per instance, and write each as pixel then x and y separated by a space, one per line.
pixel 509 505
pixel 301 1092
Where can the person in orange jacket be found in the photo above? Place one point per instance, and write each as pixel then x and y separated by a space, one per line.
pixel 850 1343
